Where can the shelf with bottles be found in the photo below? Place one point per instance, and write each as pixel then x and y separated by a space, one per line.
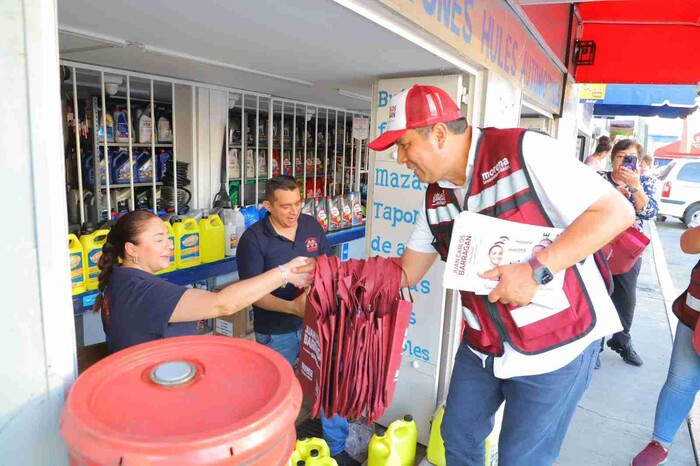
pixel 147 145
pixel 145 124
pixel 128 186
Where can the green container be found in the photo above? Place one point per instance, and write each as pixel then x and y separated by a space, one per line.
pixel 381 452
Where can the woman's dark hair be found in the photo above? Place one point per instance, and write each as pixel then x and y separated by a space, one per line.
pixel 604 145
pixel 125 231
pixel 621 145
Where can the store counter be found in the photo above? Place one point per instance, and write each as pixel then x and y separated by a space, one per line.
pixel 83 302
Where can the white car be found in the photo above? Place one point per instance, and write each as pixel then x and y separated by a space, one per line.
pixel 679 190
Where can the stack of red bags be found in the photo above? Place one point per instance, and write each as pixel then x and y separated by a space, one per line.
pixel 354 328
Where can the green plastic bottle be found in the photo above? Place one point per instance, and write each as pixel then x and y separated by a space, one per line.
pixel 315 459
pixel 306 445
pixel 381 453
pixel 403 437
pixel 436 446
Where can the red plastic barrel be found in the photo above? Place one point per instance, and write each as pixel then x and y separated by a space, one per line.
pixel 197 400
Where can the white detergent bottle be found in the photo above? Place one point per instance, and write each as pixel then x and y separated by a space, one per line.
pixel 145 126
pixel 165 132
pixel 227 215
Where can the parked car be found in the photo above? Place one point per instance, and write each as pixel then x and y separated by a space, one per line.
pixel 678 190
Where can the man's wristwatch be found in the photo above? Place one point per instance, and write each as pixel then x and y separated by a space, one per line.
pixel 542 274
pixel 633 190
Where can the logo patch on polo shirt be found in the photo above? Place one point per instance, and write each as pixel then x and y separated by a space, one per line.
pixel 311 245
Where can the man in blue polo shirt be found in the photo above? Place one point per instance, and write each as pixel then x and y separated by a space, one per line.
pixel 276 239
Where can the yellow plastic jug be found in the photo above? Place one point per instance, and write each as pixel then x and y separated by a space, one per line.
pixel 294 459
pixel 319 460
pixel 171 238
pixel 380 452
pixel 77 269
pixel 187 243
pixel 305 445
pixel 403 437
pixel 92 251
pixel 436 446
pixel 213 244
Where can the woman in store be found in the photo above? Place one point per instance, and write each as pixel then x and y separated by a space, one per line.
pixel 602 150
pixel 640 191
pixel 138 306
pixel 683 379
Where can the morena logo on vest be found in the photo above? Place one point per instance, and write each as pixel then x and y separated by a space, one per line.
pixel 439 199
pixel 501 166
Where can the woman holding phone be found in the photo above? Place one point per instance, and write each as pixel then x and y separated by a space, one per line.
pixel 137 306
pixel 640 191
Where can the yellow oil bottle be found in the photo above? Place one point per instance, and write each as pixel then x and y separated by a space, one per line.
pixel 77 269
pixel 306 445
pixel 403 436
pixel 212 238
pixel 436 446
pixel 92 241
pixel 380 452
pixel 171 238
pixel 187 243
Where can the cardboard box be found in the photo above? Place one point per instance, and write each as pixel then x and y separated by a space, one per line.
pixel 238 325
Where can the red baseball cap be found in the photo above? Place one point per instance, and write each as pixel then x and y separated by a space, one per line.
pixel 416 107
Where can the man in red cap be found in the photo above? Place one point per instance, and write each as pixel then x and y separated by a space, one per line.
pixel 537 359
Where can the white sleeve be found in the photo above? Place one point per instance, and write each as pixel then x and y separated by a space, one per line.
pixel 421 239
pixel 565 186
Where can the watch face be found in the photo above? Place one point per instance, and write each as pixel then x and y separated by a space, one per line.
pixel 543 275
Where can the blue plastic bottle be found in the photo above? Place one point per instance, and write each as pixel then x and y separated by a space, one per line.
pixel 121 172
pixel 144 167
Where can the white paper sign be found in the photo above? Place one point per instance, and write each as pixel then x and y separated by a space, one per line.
pixel 479 243
pixel 360 128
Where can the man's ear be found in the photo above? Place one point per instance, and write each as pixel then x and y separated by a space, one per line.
pixel 267 205
pixel 440 133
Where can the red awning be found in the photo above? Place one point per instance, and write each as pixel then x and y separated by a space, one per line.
pixel 674 150
pixel 642 41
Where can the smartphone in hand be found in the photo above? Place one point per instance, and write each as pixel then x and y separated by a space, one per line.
pixel 630 161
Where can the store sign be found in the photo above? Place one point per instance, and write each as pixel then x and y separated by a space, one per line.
pixel 590 93
pixel 394 206
pixel 489 32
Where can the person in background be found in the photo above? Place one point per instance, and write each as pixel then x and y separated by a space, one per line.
pixel 683 379
pixel 137 306
pixel 279 315
pixel 646 165
pixel 639 190
pixel 602 150
pixel 513 174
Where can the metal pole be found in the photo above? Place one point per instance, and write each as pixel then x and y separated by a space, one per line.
pixel 106 151
pixel 77 148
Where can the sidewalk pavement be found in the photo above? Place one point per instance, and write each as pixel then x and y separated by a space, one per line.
pixel 615 418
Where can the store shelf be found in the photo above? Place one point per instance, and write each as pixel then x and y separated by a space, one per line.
pixel 83 302
pixel 127 186
pixel 344 236
pixel 135 144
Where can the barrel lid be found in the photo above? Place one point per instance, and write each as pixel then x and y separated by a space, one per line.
pixel 194 396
